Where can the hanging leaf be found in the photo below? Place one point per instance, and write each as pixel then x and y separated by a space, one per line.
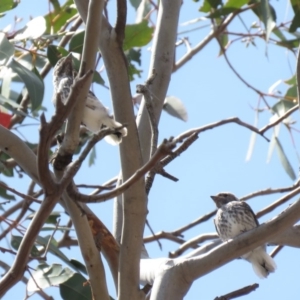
pixel 76 42
pixel 16 241
pixel 45 276
pixel 267 18
pixel 33 83
pixel 53 248
pixel 6 48
pixel 252 138
pixel 92 156
pixel 175 108
pixel 284 160
pixel 296 20
pixel 52 218
pixel 282 106
pixel 75 288
pixel 135 3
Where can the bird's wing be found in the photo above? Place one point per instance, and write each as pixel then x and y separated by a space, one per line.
pixel 216 228
pixel 250 212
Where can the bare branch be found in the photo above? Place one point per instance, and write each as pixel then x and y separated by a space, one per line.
pixel 278 202
pixel 285 115
pixel 192 52
pixel 240 292
pixel 161 152
pixel 193 243
pixel 163 235
pixel 26 197
pixel 270 191
pixel 217 124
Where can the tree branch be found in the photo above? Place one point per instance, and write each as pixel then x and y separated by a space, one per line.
pixel 161 152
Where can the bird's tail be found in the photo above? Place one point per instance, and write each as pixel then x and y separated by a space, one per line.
pixel 264 264
pixel 115 138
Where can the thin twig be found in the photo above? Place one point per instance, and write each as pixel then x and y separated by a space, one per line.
pixel 163 150
pixel 276 250
pixel 285 115
pixel 277 203
pixel 238 293
pixel 26 197
pixel 193 243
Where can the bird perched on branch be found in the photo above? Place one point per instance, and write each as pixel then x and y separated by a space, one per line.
pixel 235 217
pixel 95 115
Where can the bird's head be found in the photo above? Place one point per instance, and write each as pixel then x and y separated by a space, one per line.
pixel 64 67
pixel 223 198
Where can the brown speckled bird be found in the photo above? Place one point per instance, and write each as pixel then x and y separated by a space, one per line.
pixel 235 217
pixel 95 114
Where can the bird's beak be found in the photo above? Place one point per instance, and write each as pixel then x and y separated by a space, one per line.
pixel 215 198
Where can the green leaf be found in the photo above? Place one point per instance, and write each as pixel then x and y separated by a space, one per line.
pixel 282 106
pixel 134 55
pixel 6 5
pixel 223 39
pixel 92 156
pixel 62 15
pixel 135 3
pixel 54 53
pixel 75 288
pixel 296 20
pixel 16 241
pixel 33 83
pixel 267 18
pixel 6 49
pixel 76 42
pixel 78 265
pixel 235 3
pixel 210 5
pixel 45 276
pixel 54 250
pixel 284 160
pixel 52 218
pixel 137 35
pixel 56 5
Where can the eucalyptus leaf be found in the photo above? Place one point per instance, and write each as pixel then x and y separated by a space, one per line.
pixel 175 108
pixel 75 288
pixel 6 48
pixel 284 160
pixel 92 156
pixel 33 83
pixel 45 276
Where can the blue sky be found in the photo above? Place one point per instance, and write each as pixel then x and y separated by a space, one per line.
pixel 214 163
